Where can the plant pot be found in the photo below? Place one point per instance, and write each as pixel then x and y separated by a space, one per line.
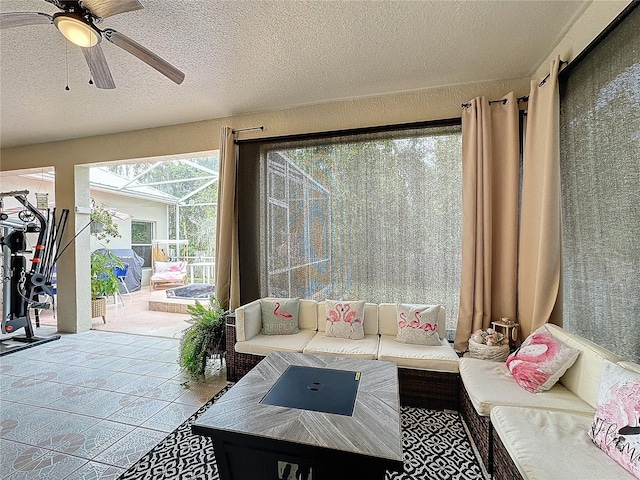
pixel 96 227
pixel 99 308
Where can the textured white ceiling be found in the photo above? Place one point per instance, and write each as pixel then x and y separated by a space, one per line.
pixel 249 56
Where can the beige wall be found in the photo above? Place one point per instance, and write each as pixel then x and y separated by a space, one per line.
pixel 421 105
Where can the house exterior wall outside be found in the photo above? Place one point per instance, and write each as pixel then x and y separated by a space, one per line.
pixel 420 105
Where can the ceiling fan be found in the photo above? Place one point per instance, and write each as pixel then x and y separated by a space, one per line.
pixel 77 23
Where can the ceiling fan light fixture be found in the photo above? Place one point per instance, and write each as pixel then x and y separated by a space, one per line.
pixel 77 30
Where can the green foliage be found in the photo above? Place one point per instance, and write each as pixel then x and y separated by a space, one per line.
pixel 102 223
pixel 205 338
pixel 103 279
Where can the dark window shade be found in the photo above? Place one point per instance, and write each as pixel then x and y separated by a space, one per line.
pixel 600 166
pixel 373 216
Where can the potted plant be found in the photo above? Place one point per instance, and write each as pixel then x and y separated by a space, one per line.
pixel 102 223
pixel 104 282
pixel 205 339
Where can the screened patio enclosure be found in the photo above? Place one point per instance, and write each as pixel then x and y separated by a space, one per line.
pixel 299 259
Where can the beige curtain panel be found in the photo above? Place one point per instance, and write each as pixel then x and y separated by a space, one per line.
pixel 227 263
pixel 539 255
pixel 490 180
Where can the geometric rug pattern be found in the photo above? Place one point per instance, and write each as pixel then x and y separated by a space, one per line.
pixel 435 446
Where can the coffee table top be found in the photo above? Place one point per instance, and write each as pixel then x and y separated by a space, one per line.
pixel 373 429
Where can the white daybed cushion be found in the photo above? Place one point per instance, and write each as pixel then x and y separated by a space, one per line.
pixel 550 444
pixel 265 344
pixel 442 358
pixel 366 348
pixel 490 383
pixel 583 378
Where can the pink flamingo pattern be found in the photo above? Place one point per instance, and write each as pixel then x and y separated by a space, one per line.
pixel 342 313
pixel 423 326
pixel 279 314
pixel 616 425
pixel 538 359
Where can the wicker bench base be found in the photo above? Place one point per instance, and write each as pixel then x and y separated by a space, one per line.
pixel 479 427
pixel 418 388
pixel 503 466
pixel 427 389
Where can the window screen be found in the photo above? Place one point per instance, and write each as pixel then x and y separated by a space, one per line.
pixel 141 235
pixel 600 164
pixel 373 217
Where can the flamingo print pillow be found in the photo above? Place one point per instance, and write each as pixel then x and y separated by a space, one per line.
pixel 616 425
pixel 345 319
pixel 540 361
pixel 418 324
pixel 279 316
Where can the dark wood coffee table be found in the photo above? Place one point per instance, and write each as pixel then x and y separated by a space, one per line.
pixel 253 440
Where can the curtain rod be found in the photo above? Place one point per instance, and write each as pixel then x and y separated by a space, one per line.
pixel 261 127
pixel 524 98
pixel 502 101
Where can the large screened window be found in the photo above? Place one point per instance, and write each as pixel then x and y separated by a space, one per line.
pixel 600 164
pixel 376 217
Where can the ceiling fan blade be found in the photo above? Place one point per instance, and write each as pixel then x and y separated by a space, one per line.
pixel 108 8
pixel 19 19
pixel 147 56
pixel 98 67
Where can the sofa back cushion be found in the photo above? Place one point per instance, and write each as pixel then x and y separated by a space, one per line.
pixel 388 318
pixel 583 378
pixel 370 318
pixel 308 315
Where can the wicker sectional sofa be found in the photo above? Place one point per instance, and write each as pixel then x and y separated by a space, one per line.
pixel 522 435
pixel 428 375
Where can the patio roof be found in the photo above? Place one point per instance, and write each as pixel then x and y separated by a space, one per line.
pixel 202 174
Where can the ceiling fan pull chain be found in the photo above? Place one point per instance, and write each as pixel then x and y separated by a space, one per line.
pixel 90 72
pixel 66 62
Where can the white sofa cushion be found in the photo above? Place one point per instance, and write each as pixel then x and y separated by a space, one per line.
pixel 583 378
pixel 265 344
pixel 490 383
pixel 365 348
pixel 442 358
pixel 551 444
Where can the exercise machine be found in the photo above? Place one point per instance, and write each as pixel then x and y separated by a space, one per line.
pixel 22 287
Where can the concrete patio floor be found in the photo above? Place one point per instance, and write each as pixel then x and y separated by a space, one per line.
pixel 135 317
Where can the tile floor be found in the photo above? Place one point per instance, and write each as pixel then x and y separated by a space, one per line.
pixel 91 404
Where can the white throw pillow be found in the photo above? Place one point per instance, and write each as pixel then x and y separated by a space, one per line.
pixel 345 319
pixel 540 361
pixel 418 324
pixel 616 425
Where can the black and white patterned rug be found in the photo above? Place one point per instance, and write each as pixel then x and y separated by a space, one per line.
pixel 435 446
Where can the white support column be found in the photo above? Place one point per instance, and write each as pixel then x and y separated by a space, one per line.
pixel 73 270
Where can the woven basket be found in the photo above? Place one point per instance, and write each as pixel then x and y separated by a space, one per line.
pixel 99 307
pixel 485 352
